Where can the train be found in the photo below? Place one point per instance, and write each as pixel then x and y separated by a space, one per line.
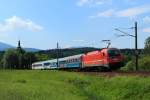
pixel 109 58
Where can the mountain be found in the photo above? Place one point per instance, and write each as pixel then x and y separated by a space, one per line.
pixel 31 49
pixel 4 47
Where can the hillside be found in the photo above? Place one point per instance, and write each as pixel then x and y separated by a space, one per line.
pixel 52 53
pixel 4 47
pixel 58 85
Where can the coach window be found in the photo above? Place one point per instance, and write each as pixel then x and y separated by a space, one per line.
pixel 76 60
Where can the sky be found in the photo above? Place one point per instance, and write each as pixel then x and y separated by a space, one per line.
pixel 73 23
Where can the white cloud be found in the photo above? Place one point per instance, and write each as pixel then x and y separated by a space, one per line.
pixel 78 40
pixel 130 12
pixel 131 2
pixel 83 2
pixel 146 19
pixel 133 12
pixel 14 23
pixel 107 13
pixel 92 2
pixel 146 30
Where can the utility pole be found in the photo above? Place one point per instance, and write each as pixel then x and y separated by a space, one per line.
pixel 136 43
pixel 57 54
pixel 136 48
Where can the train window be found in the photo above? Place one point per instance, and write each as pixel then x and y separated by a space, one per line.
pixel 46 64
pixel 113 52
pixel 36 65
pixel 76 60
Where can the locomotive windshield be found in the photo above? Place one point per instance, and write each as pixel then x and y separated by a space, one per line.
pixel 113 53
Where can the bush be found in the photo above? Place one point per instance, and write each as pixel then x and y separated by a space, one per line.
pixel 144 65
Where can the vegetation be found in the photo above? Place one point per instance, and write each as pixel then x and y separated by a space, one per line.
pixel 144 64
pixel 144 61
pixel 147 46
pixel 14 58
pixel 57 85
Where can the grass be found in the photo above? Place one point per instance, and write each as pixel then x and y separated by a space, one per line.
pixel 57 85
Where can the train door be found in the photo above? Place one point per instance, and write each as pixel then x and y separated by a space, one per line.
pixel 104 57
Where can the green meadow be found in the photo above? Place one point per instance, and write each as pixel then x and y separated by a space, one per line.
pixel 59 85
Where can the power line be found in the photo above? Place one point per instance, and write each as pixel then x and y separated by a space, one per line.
pixel 136 43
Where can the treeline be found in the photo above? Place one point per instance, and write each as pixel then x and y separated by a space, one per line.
pixel 52 53
pixel 19 59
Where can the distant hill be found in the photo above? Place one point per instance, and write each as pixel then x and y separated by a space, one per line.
pixel 31 49
pixel 4 47
pixel 52 53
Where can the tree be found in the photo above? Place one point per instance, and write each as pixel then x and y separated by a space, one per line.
pixel 10 59
pixel 29 58
pixel 16 59
pixel 42 57
pixel 147 46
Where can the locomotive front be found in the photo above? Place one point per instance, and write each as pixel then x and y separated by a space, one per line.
pixel 115 58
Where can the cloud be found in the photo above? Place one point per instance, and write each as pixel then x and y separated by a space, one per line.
pixel 129 13
pixel 133 12
pixel 78 40
pixel 146 19
pixel 146 30
pixel 83 2
pixel 14 23
pixel 107 13
pixel 131 2
pixel 92 2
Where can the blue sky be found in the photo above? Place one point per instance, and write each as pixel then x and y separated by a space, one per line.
pixel 73 23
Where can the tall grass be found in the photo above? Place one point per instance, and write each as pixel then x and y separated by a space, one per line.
pixel 57 85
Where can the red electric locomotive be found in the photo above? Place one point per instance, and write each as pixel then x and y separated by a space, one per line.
pixel 110 58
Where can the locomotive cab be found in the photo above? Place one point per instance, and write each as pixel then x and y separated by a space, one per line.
pixel 114 58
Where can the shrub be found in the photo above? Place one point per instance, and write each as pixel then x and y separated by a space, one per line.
pixel 144 64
